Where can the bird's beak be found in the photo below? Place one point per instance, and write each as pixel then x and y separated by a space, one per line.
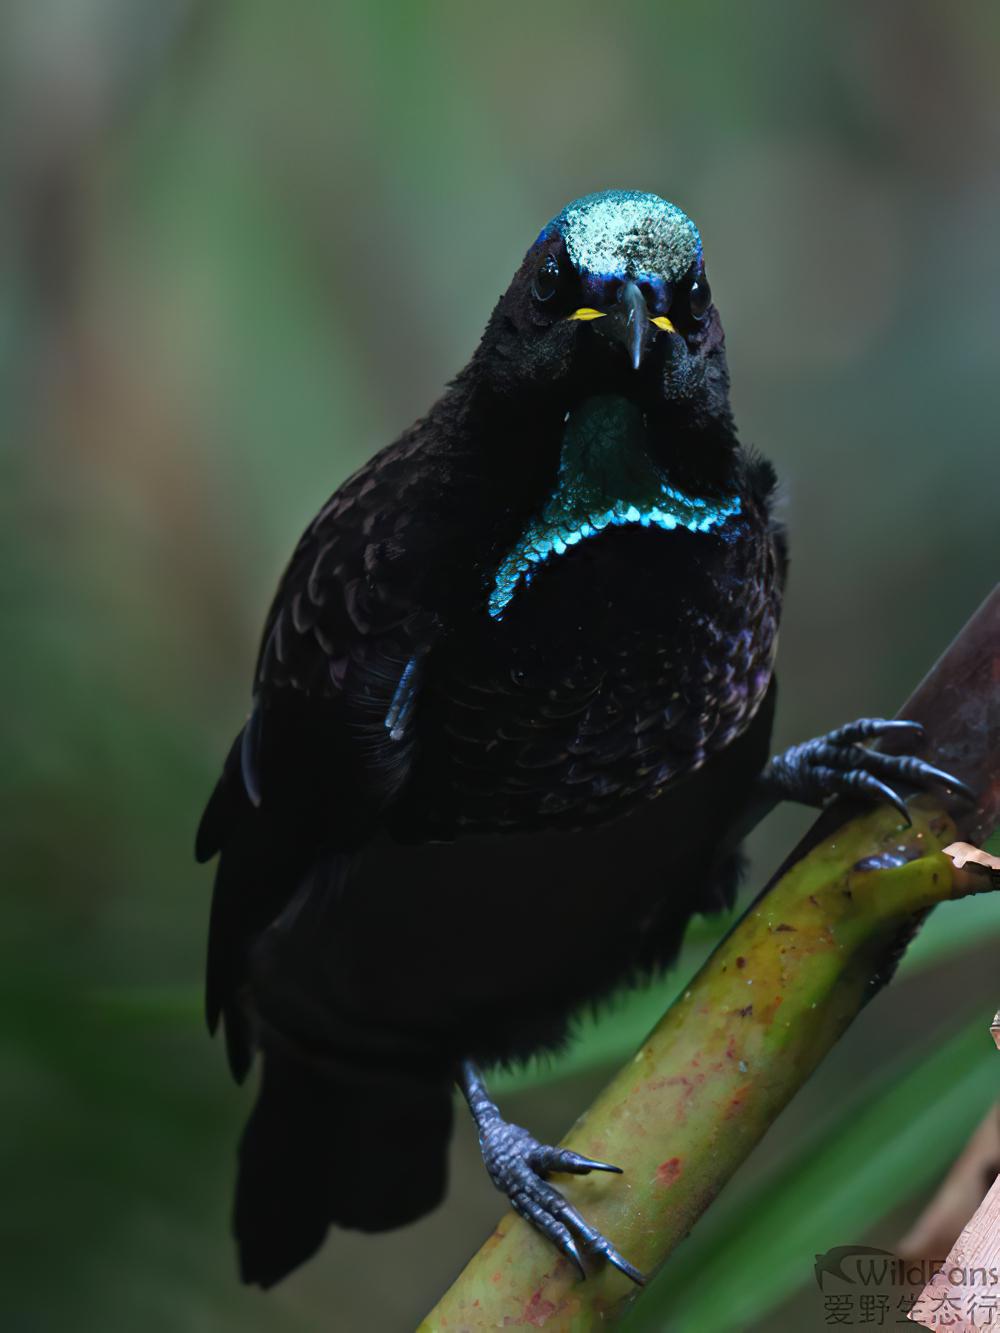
pixel 627 322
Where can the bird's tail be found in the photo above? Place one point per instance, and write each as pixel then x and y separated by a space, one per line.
pixel 324 1149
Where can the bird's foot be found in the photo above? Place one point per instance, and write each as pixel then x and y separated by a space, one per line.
pixel 519 1166
pixel 838 764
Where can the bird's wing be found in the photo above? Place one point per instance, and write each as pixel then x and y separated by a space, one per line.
pixel 341 660
pixel 330 740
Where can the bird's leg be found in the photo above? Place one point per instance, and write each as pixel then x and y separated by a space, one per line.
pixel 518 1166
pixel 839 764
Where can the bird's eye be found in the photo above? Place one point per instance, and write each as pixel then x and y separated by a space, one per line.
pixel 546 280
pixel 699 297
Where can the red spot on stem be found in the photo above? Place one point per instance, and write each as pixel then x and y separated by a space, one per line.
pixel 538 1310
pixel 736 1101
pixel 668 1171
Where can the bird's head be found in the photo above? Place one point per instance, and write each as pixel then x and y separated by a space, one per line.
pixel 608 340
pixel 613 297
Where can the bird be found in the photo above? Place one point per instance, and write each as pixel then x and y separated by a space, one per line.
pixel 510 722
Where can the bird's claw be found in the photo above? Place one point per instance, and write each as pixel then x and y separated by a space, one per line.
pixel 839 764
pixel 518 1165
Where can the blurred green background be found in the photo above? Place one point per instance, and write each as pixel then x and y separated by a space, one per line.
pixel 242 245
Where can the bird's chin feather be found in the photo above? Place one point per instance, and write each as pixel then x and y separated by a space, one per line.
pixel 684 374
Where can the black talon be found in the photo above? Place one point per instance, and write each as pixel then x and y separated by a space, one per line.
pixel 623 1266
pixel 534 1213
pixel 569 1248
pixel 871 728
pixel 901 724
pixel 917 771
pixel 574 1162
pixel 956 785
pixel 601 1245
pixel 872 783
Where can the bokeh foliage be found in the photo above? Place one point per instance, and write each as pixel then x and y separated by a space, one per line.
pixel 242 244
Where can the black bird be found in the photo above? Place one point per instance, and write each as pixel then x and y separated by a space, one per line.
pixel 511 716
